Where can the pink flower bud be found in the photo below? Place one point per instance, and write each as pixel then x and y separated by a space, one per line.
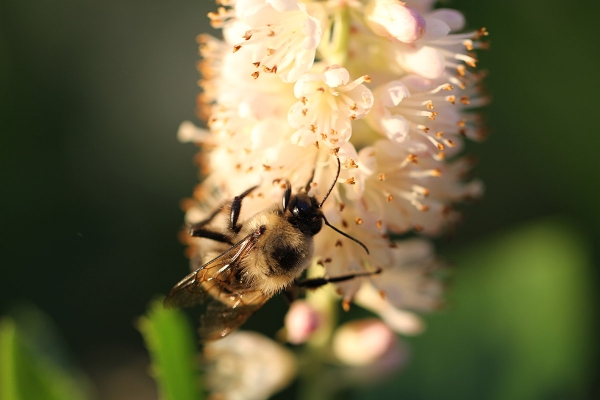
pixel 363 342
pixel 390 18
pixel 301 321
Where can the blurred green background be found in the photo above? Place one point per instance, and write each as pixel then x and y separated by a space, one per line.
pixel 92 93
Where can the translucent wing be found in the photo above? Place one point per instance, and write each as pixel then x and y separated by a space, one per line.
pixel 221 319
pixel 220 284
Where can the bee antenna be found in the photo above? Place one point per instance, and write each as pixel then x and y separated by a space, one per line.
pixel 345 234
pixel 339 167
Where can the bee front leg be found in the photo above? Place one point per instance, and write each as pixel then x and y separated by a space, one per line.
pixel 318 282
pixel 208 234
pixel 236 207
pixel 198 229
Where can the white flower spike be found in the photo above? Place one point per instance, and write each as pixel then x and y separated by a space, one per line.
pixel 388 88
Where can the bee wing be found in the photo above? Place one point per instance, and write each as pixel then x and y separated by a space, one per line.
pixel 221 319
pixel 229 302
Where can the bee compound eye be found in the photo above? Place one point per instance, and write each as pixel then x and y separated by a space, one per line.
pixel 302 205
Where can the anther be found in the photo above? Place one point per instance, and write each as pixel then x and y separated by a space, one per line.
pixel 346 305
pixel 358 221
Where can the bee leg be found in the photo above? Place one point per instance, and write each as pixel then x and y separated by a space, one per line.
pixel 199 225
pixel 318 282
pixel 236 207
pixel 198 230
pixel 208 234
pixel 285 201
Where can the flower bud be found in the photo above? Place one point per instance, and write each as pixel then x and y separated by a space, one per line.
pixel 363 342
pixel 390 18
pixel 301 321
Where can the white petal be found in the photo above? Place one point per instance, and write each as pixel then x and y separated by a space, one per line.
pixel 453 18
pixel 395 127
pixel 436 29
pixel 284 5
pixel 336 76
pixel 426 61
pixel 188 132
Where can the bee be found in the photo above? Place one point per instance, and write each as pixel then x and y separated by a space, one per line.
pixel 253 260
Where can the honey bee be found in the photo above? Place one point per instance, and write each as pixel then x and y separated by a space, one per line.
pixel 253 260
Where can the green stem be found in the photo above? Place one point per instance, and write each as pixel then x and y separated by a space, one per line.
pixel 340 37
pixel 317 350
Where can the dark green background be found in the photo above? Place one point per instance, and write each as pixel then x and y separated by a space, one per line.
pixel 92 93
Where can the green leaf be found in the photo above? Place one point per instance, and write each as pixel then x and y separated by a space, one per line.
pixel 518 326
pixel 171 344
pixel 27 374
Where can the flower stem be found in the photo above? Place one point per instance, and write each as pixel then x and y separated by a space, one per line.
pixel 340 36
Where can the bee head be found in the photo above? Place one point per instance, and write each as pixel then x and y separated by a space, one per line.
pixel 304 212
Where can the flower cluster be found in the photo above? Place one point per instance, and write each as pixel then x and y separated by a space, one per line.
pixel 386 86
